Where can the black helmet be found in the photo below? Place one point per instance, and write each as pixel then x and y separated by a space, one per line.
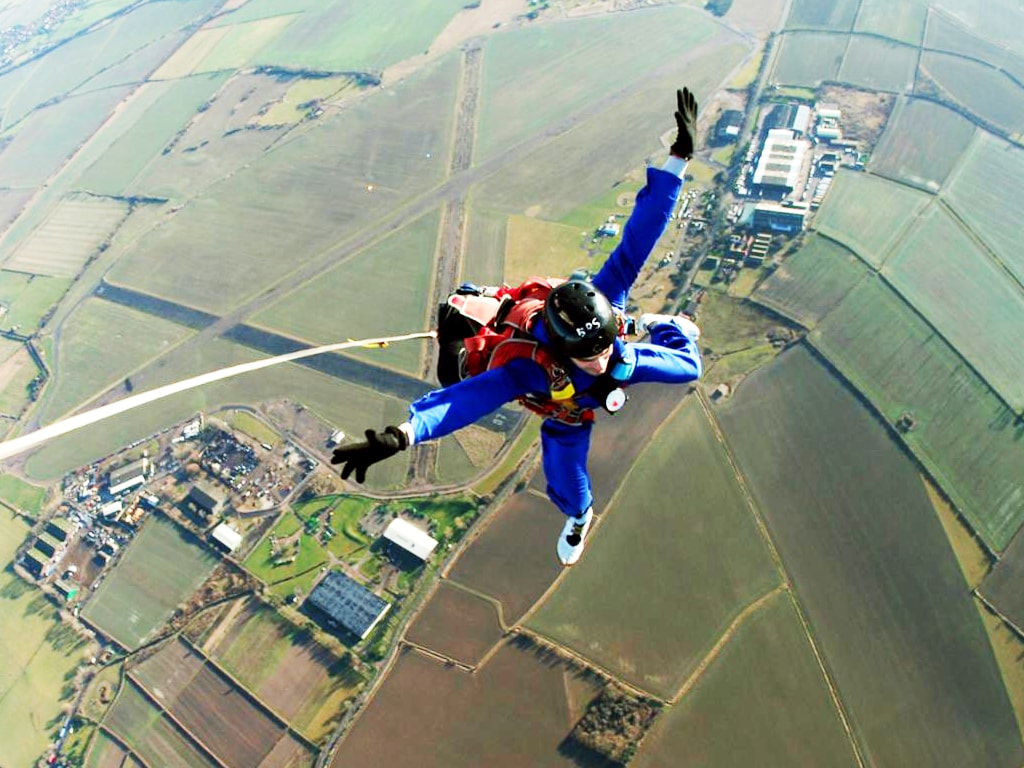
pixel 579 319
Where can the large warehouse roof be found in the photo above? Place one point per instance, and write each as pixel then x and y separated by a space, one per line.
pixel 410 538
pixel 781 159
pixel 348 603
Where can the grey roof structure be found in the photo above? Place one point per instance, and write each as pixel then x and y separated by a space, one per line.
pixel 348 603
pixel 128 476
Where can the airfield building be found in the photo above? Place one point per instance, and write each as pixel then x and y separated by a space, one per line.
pixel 226 538
pixel 782 219
pixel 60 528
pixel 828 127
pixel 346 603
pixel 778 168
pixel 130 476
pixel 408 540
pixel 203 500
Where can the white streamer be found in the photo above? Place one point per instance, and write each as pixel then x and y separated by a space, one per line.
pixel 19 444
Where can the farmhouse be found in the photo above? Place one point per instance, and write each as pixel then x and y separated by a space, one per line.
pixel 778 167
pixel 407 539
pixel 226 537
pixel 348 604
pixel 129 476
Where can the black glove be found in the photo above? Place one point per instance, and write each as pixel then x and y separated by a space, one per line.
pixel 377 447
pixel 686 121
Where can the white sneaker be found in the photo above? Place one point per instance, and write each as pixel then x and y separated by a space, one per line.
pixel 684 324
pixel 574 532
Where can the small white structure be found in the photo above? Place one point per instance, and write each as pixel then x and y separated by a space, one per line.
pixel 111 509
pixel 227 537
pixel 410 538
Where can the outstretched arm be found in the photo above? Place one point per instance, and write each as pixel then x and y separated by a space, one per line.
pixel 654 205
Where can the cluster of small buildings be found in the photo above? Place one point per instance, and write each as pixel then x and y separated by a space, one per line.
pixel 43 557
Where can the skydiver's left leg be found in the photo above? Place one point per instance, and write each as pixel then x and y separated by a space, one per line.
pixel 564 449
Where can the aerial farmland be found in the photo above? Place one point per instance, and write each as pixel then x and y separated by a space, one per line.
pixel 809 557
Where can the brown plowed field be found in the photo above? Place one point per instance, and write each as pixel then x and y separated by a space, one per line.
pixel 514 712
pixel 297 679
pixel 456 624
pixel 213 709
pixel 514 559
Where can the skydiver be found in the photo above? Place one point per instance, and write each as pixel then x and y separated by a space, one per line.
pixel 569 355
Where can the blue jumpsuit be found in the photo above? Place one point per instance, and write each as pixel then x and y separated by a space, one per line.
pixel 670 357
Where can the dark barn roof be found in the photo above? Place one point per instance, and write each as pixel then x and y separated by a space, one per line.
pixel 348 603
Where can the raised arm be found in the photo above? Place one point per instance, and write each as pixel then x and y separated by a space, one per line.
pixel 654 205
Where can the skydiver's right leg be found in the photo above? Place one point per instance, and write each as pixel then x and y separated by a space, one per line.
pixel 564 450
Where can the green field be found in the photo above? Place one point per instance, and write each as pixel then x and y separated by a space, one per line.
pixel 242 43
pixel 703 562
pixel 904 21
pixel 37 655
pixel 575 59
pixel 103 344
pixel 987 92
pixel 808 58
pixel 544 249
pixel 868 214
pixel 878 65
pixel 19 372
pixel 964 434
pixel 150 734
pixel 15 492
pixel 160 569
pixel 608 140
pixel 940 270
pixel 72 64
pixel 28 298
pixel 822 14
pixel 297 201
pixel 873 570
pixel 812 281
pixel 762 701
pixel 985 192
pixel 922 144
pixel 296 576
pixel 72 234
pixel 147 129
pixel 394 274
pixel 42 142
pixel 957 34
pixel 348 36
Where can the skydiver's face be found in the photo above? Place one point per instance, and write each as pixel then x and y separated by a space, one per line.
pixel 595 365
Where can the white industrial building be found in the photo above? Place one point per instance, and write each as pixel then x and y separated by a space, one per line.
pixel 782 157
pixel 410 538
